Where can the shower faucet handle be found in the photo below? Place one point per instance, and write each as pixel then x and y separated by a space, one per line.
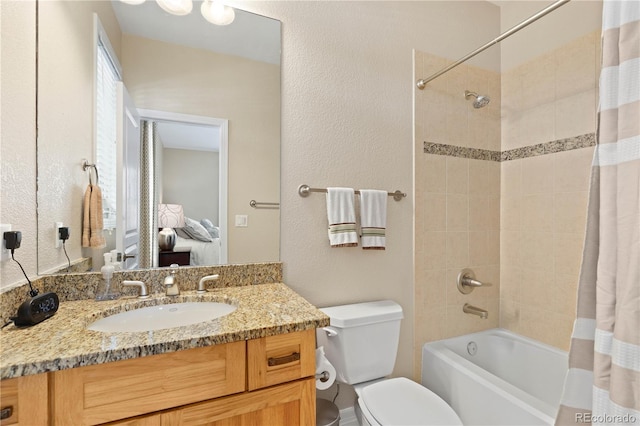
pixel 467 281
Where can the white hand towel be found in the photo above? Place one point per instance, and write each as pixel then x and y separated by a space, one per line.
pixel 373 218
pixel 342 217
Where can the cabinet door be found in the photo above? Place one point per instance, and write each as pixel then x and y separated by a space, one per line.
pixel 24 400
pixel 281 358
pixel 289 404
pixel 118 390
pixel 153 420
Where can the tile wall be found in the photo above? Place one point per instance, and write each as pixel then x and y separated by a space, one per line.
pixel 505 195
pixel 457 202
pixel 544 198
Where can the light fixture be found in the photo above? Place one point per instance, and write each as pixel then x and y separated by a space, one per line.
pixel 176 7
pixel 169 216
pixel 217 13
pixel 213 11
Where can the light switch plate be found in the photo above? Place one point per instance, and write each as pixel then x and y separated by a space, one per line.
pixel 5 254
pixel 242 221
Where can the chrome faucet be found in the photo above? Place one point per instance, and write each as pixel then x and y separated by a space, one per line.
pixel 144 294
pixel 470 309
pixel 170 282
pixel 201 288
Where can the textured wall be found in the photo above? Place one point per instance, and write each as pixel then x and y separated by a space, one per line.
pixel 347 119
pixel 18 134
pixel 66 122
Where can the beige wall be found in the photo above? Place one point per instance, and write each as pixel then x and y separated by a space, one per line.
pixel 172 78
pixel 544 198
pixel 457 203
pixel 18 134
pixel 191 178
pixel 65 120
pixel 556 29
pixel 347 119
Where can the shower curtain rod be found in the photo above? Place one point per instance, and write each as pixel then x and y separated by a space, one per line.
pixel 421 84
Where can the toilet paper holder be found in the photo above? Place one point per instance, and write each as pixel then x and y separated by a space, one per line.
pixel 324 376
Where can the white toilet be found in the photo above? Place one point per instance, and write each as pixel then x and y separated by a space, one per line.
pixel 361 343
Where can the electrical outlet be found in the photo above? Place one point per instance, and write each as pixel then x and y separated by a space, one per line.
pixel 58 241
pixel 5 254
pixel 242 221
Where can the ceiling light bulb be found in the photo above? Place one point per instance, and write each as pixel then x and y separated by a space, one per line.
pixel 176 7
pixel 132 1
pixel 217 13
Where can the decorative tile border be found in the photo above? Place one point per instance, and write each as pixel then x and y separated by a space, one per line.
pixel 560 145
pixel 461 151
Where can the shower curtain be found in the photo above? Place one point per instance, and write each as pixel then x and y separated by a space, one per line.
pixel 603 382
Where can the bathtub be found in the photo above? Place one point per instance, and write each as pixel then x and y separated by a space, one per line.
pixel 496 377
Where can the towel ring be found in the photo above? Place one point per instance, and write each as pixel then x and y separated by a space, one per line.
pixel 85 166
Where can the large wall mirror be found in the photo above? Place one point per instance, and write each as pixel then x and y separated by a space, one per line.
pixel 210 94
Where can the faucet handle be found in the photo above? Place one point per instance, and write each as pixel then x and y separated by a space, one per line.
pixel 204 279
pixel 467 281
pixel 143 288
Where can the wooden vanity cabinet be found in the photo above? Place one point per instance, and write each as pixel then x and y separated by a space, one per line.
pixel 286 404
pixel 105 392
pixel 261 381
pixel 23 400
pixel 281 358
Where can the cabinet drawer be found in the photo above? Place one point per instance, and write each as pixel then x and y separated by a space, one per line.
pixel 166 258
pixel 24 400
pixel 282 358
pixel 9 402
pixel 117 390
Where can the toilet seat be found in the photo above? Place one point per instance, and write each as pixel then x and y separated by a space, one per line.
pixel 400 401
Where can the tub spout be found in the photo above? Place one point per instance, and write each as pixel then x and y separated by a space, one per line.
pixel 469 309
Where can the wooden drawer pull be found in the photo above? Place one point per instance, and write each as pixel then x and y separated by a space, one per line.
pixel 6 412
pixel 284 359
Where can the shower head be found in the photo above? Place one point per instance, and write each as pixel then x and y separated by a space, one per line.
pixel 480 101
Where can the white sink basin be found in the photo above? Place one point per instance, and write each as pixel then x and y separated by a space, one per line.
pixel 162 316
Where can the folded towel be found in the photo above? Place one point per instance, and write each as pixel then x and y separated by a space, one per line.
pixel 342 217
pixel 92 218
pixel 373 218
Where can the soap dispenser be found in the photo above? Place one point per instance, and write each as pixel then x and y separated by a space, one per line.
pixel 105 290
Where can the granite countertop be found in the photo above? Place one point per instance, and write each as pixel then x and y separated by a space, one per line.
pixel 63 341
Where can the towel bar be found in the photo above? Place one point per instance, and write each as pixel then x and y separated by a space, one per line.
pixel 305 190
pixel 260 205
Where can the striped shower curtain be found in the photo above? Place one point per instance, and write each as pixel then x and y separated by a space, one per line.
pixel 603 382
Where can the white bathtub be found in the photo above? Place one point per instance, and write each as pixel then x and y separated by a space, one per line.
pixel 510 380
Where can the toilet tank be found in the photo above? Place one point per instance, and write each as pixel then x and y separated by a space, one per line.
pixel 362 340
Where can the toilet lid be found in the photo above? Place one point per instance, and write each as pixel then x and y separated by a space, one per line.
pixel 400 401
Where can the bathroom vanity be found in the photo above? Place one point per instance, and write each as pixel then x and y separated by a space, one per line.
pixel 253 366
